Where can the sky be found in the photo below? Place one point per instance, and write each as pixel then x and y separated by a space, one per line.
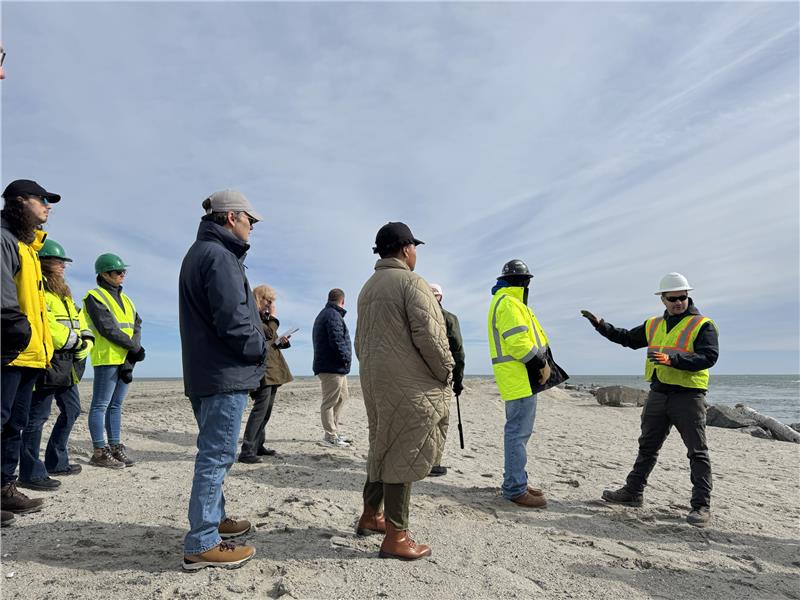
pixel 605 144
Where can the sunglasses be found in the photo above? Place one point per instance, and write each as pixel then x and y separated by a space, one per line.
pixel 41 199
pixel 2 57
pixel 676 298
pixel 118 273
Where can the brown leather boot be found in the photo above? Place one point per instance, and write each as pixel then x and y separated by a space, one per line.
pixel 399 544
pixel 371 522
pixel 528 500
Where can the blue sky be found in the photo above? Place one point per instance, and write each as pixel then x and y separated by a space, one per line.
pixel 604 144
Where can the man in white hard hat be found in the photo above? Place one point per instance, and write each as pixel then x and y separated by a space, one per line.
pixel 682 345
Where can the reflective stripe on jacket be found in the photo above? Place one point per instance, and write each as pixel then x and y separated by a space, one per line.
pixel 67 324
pixel 104 351
pixel 515 337
pixel 680 339
pixel 30 294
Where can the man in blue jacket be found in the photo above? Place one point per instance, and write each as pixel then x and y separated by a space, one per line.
pixel 224 349
pixel 332 358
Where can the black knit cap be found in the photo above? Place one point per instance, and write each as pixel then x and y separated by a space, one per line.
pixel 392 236
pixel 26 187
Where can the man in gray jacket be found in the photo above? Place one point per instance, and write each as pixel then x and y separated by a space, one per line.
pixel 224 350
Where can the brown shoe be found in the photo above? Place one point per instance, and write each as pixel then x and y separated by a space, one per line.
pixel 7 518
pixel 12 500
pixel 530 501
pixel 231 528
pixel 399 544
pixel 371 521
pixel 225 555
pixel 118 452
pixel 535 491
pixel 102 458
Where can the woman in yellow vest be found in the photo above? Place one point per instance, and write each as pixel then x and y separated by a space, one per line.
pixel 112 317
pixel 72 340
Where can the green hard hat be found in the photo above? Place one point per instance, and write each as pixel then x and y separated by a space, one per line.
pixel 109 262
pixel 52 249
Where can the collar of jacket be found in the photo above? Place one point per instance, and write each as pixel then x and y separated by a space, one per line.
pixel 337 308
pixel 513 291
pixel 39 236
pixel 391 263
pixel 211 232
pixel 115 290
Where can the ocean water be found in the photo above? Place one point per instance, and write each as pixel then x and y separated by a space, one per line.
pixel 776 396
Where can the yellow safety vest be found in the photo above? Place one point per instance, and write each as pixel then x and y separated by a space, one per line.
pixel 30 295
pixel 515 337
pixel 104 351
pixel 679 339
pixel 64 317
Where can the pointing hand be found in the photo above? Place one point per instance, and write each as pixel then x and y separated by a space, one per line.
pixel 591 318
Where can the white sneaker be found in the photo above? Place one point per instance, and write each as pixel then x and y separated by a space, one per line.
pixel 344 438
pixel 334 441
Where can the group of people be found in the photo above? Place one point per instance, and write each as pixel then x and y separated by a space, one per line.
pixel 411 359
pixel 46 339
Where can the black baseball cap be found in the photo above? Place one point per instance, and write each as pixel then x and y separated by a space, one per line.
pixel 394 235
pixel 27 187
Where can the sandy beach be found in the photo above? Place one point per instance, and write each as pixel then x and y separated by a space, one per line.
pixel 118 534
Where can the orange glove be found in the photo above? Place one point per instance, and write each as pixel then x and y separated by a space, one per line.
pixel 660 358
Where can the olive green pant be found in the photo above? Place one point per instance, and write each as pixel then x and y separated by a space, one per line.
pixel 395 498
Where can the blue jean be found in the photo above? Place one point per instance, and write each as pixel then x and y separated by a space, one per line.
pixel 108 392
pixel 520 415
pixel 16 384
pixel 219 419
pixel 56 458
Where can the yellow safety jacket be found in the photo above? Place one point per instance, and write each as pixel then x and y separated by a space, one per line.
pixel 679 339
pixel 67 323
pixel 30 295
pixel 104 351
pixel 515 337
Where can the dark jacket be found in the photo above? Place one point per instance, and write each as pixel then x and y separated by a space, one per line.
pixel 332 350
pixel 278 371
pixel 706 346
pixel 223 344
pixel 456 349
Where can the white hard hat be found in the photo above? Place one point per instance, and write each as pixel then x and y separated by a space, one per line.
pixel 437 290
pixel 673 282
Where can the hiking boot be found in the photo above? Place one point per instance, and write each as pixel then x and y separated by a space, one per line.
pixel 224 554
pixel 437 471
pixel 334 441
pixel 623 496
pixel 6 518
pixel 535 491
pixel 249 459
pixel 231 528
pixel 399 544
pixel 528 500
pixel 699 517
pixel 15 501
pixel 118 452
pixel 47 484
pixel 72 469
pixel 264 451
pixel 102 458
pixel 371 521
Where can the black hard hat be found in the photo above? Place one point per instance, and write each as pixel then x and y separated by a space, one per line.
pixel 515 268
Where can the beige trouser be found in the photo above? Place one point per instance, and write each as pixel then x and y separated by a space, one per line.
pixel 334 395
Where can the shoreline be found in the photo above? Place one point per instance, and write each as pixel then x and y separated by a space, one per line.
pixel 120 533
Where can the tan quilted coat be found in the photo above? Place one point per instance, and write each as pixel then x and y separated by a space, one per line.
pixel 405 369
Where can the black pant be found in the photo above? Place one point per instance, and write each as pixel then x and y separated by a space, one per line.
pixel 687 411
pixel 17 390
pixel 254 436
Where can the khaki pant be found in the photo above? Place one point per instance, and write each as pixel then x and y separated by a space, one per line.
pixel 334 395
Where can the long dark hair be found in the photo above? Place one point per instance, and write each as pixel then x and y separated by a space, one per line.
pixel 22 222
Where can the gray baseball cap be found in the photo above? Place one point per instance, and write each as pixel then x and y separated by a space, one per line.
pixel 232 200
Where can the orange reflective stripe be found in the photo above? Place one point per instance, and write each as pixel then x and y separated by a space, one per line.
pixel 686 334
pixel 653 326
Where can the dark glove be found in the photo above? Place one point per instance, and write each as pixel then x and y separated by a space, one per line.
pixel 126 372
pixel 458 388
pixel 139 356
pixel 82 343
pixel 592 319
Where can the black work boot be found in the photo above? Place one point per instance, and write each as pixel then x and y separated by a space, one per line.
pixel 7 518
pixel 622 496
pixel 14 501
pixel 699 517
